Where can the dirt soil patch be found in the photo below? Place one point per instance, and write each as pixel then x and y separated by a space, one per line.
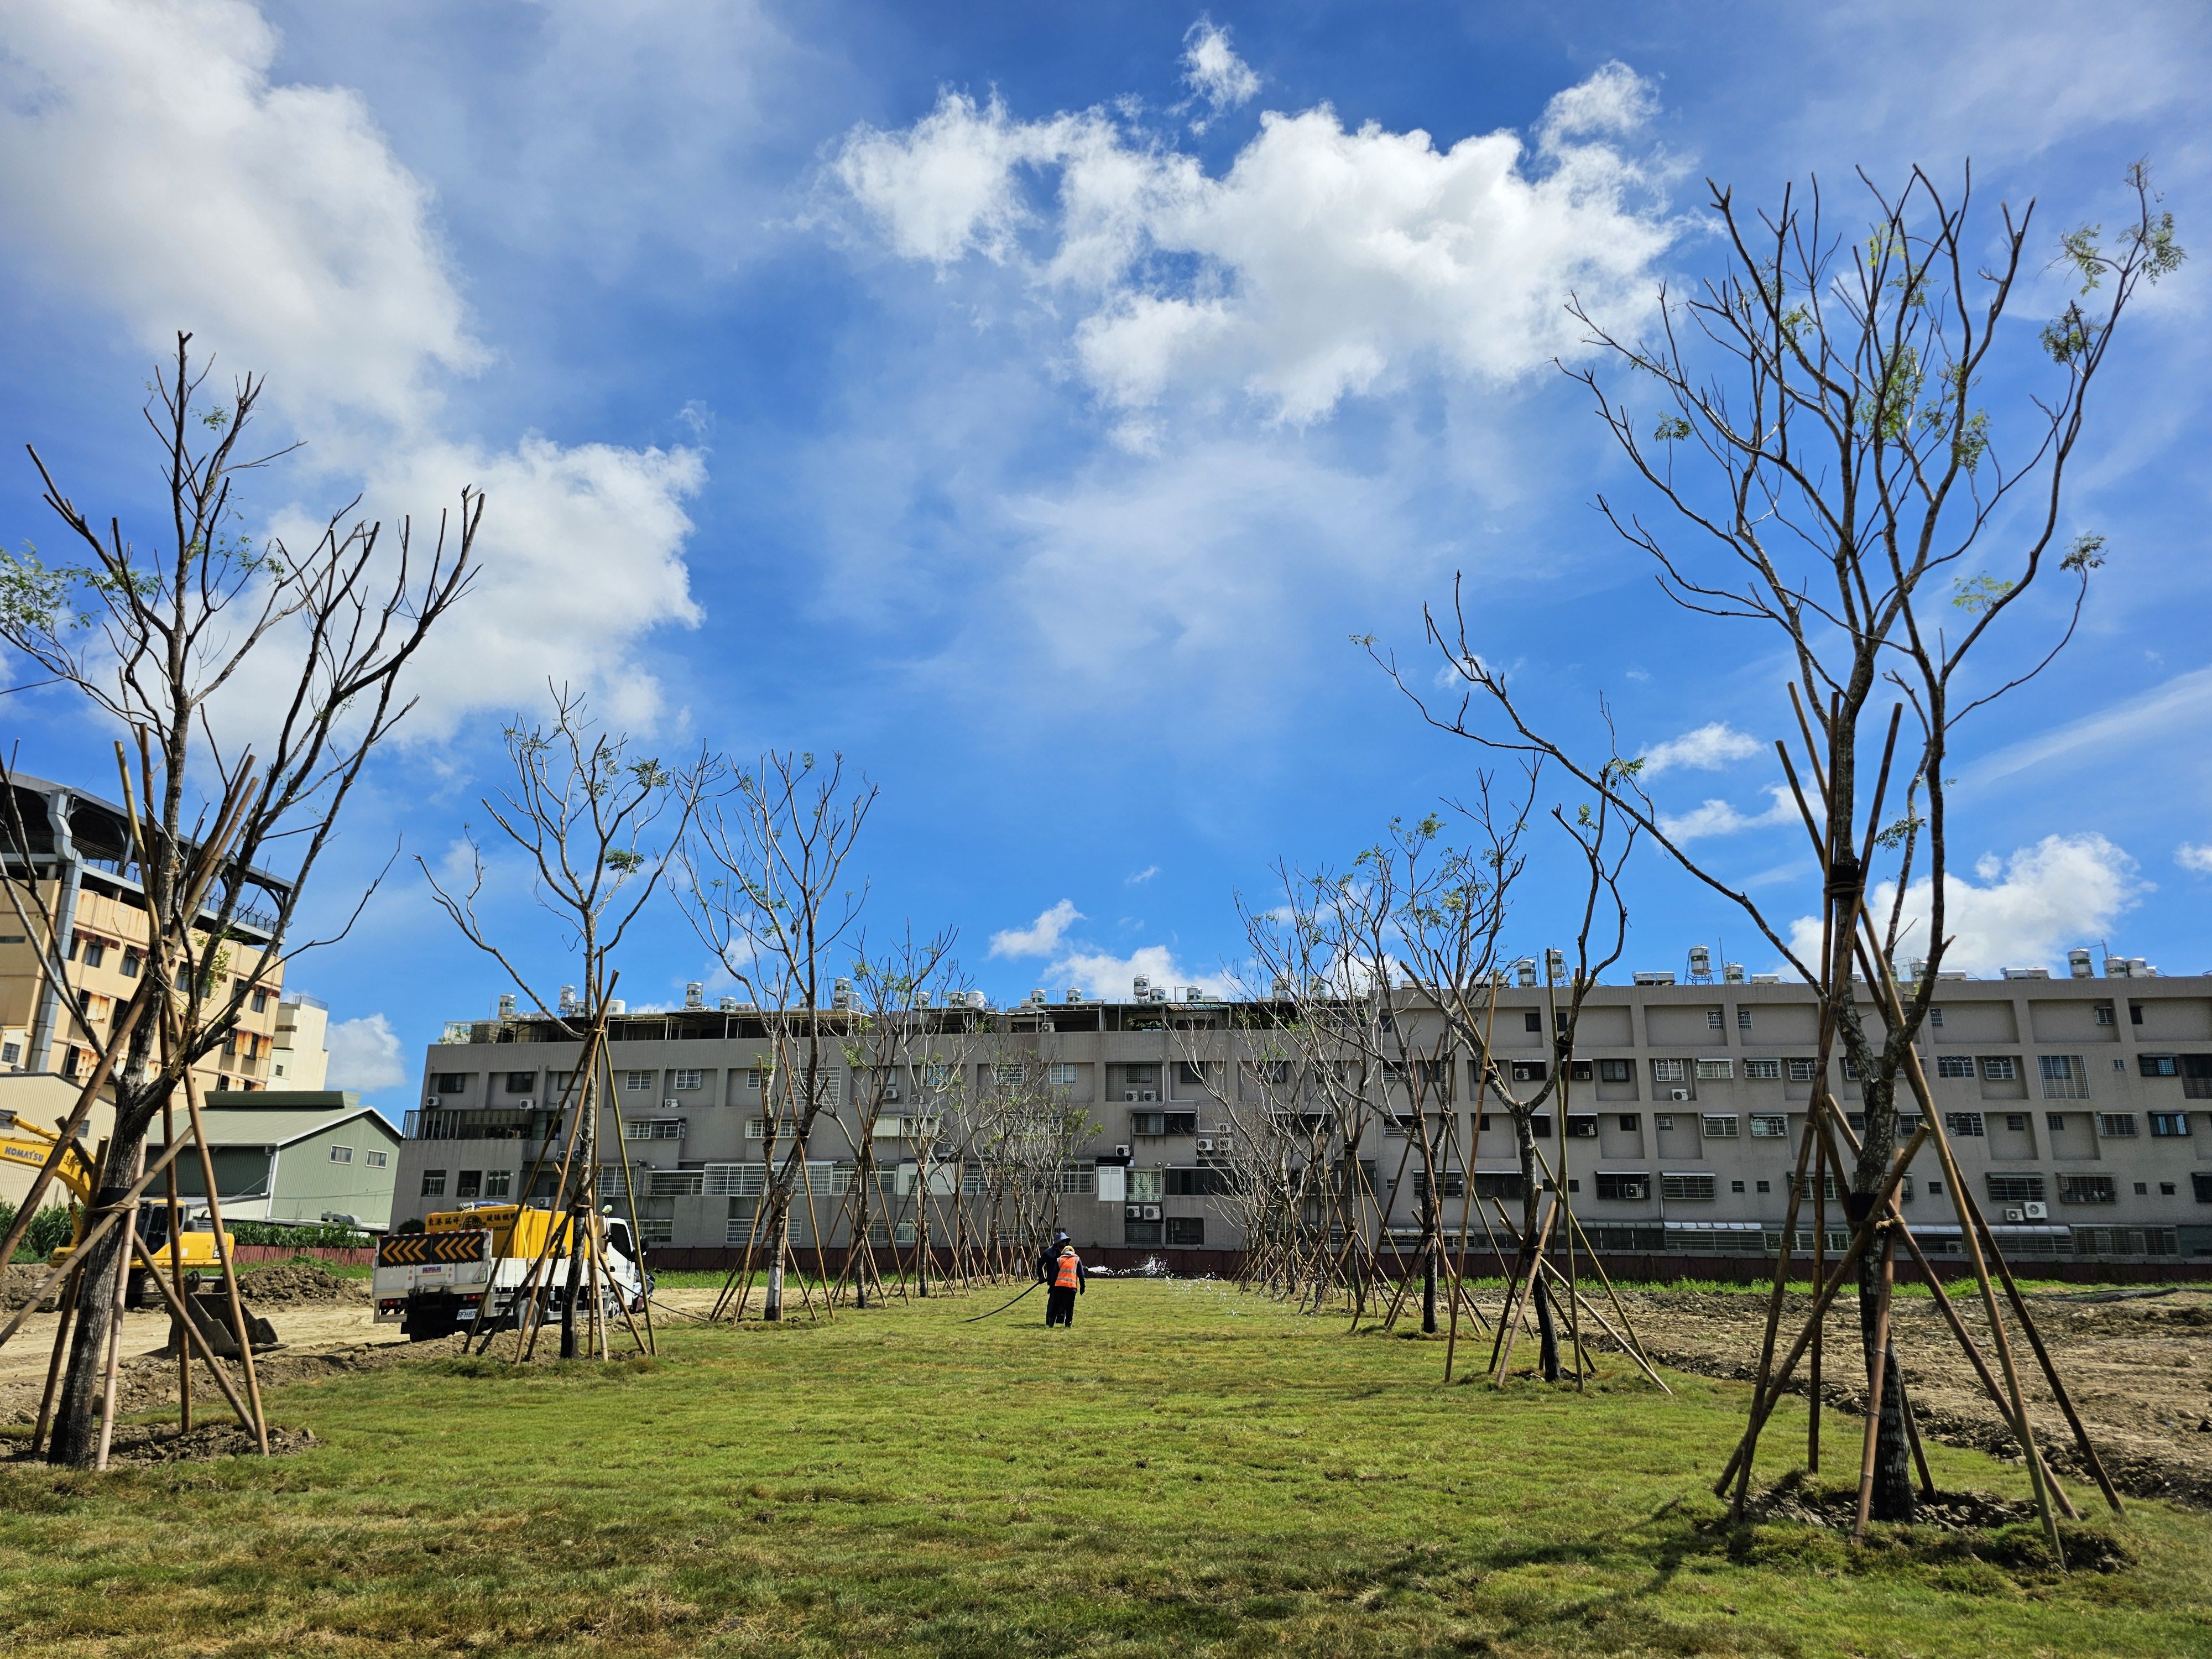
pixel 283 1283
pixel 17 1281
pixel 161 1443
pixel 2138 1367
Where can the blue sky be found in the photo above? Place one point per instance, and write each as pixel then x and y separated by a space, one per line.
pixel 994 393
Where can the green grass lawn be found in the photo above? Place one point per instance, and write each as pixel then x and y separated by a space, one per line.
pixel 1187 1471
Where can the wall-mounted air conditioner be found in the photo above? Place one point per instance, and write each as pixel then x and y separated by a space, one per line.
pixel 1133 1213
pixel 430 1103
pixel 890 1092
pixel 672 1105
pixel 1205 1145
pixel 525 1105
pixel 1149 1094
pixel 1121 1151
pixel 1128 1094
pixel 1678 1094
pixel 2035 1212
pixel 2012 1214
pixel 1151 1213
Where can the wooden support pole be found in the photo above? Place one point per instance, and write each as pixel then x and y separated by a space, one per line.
pixel 64 1310
pixel 229 1267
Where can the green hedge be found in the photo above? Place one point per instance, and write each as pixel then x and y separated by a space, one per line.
pixel 320 1237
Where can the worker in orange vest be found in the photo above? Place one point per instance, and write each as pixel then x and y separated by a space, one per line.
pixel 1069 1278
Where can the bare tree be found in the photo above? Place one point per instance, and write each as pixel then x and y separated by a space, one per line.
pixel 1825 444
pixel 765 887
pixel 596 823
pixel 316 639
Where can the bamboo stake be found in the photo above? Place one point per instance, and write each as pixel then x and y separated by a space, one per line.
pixel 1819 1269
pixel 111 1369
pixel 66 1309
pixel 229 1270
pixel 1877 1376
pixel 176 1262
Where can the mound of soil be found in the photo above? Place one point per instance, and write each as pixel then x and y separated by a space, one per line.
pixel 18 1279
pixel 283 1282
pixel 162 1444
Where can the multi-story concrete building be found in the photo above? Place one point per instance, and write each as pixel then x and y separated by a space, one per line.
pixel 301 1059
pixel 82 871
pixel 2081 1109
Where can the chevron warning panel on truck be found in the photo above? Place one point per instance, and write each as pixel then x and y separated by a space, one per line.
pixel 413 1249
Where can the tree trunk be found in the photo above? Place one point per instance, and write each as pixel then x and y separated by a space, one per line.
pixel 772 1298
pixel 576 1282
pixel 1429 1289
pixel 75 1437
pixel 1894 1495
pixel 1547 1334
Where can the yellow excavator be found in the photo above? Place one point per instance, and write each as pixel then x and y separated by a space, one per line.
pixel 26 1146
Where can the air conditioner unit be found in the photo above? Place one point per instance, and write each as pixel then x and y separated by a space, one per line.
pixel 1151 1094
pixel 2012 1214
pixel 890 1092
pixel 1151 1213
pixel 1205 1145
pixel 1121 1151
pixel 430 1103
pixel 1678 1094
pixel 2035 1212
pixel 672 1105
pixel 1133 1213
pixel 525 1105
pixel 1128 1094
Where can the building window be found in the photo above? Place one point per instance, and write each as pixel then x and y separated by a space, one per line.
pixel 2135 1013
pixel 95 952
pixel 1663 1119
pixel 1720 1125
pixel 1616 1071
pixel 1735 1186
pixel 2159 1064
pixel 1529 1071
pixel 1712 1019
pixel 521 1083
pixel 132 962
pixel 653 1129
pixel 1851 1072
pixel 449 1083
pixel 1763 1187
pixel 2166 1189
pixel 2143 1189
pixel 1187 1229
pixel 1201 1182
pixel 1140 1232
pixel 637 1083
pixel 2056 1122
pixel 377 1160
pixel 1804 1071
pixel 1632 1121
pixel 2064 1077
pixel 499 1183
pixel 2017 1122
pixel 1970 1124
pixel 1765 1070
pixel 2200 1183
pixel 1532 1020
pixel 468 1183
pixel 1999 1068
pixel 1743 1019
pixel 1716 1068
pixel 2014 1189
pixel 2088 1190
pixel 260 1000
pixel 1540 1126
pixel 1623 1185
pixel 684 1082
pixel 2119 1124
pixel 1768 1125
pixel 1666 1071
pixel 1191 1073
pixel 2104 1013
pixel 1690 1188
pixel 1935 1017
pixel 1957 1066
pixel 1581 1126
pixel 2169 1124
pixel 1155 1123
pixel 1009 1077
pixel 1062 1075
pixel 434 1183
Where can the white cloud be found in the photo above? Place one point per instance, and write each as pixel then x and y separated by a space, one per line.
pixel 364 1055
pixel 151 166
pixel 1042 936
pixel 1104 974
pixel 1141 876
pixel 1718 818
pixel 1212 70
pixel 1708 749
pixel 2196 856
pixel 1323 264
pixel 2026 911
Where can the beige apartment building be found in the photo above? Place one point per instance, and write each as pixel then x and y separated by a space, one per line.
pixel 83 867
pixel 2081 1109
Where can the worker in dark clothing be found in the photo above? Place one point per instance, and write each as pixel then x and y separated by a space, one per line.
pixel 1048 1262
pixel 1069 1279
